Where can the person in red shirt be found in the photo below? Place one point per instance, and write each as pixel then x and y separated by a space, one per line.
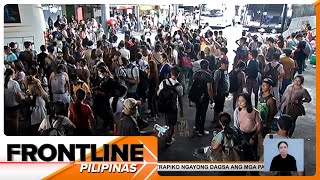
pixel 81 115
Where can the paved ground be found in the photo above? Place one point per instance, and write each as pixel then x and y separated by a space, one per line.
pixel 182 149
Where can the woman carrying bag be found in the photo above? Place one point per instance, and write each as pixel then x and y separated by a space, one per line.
pixel 247 121
pixel 292 101
pixel 223 144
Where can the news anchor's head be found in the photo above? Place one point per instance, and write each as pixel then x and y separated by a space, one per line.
pixel 283 148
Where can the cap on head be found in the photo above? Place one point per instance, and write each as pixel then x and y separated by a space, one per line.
pixel 131 103
pixel 12 44
pixel 268 81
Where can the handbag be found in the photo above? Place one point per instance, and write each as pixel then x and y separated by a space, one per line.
pixel 294 109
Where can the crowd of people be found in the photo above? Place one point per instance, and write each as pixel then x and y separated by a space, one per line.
pixel 84 84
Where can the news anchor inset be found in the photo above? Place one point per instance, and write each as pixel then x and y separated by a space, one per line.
pixel 283 161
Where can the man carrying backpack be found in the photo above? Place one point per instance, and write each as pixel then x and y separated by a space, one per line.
pixel 27 56
pixel 202 95
pixel 56 124
pixel 59 85
pixel 301 52
pixel 143 77
pixel 220 90
pixel 169 91
pixel 241 52
pixel 252 76
pixel 237 81
pixel 271 49
pixel 131 79
pixel 274 71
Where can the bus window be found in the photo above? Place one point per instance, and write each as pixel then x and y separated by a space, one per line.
pixel 11 13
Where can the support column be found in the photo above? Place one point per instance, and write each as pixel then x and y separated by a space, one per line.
pixel 169 13
pixel 78 13
pixel 284 17
pixel 137 12
pixel 200 11
pixel 105 15
pixel 64 9
pixel 175 9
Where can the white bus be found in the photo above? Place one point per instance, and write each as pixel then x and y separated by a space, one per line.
pixel 216 16
pixel 24 22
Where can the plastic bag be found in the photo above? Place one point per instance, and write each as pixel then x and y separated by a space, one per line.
pixel 161 129
pixel 275 120
pixel 183 127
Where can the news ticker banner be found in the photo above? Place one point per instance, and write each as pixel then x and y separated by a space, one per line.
pixel 120 157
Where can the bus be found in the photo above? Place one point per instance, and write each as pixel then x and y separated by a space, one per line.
pixel 266 16
pixel 24 22
pixel 216 16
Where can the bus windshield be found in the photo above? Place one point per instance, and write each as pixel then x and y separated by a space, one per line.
pixel 216 13
pixel 11 13
pixel 212 13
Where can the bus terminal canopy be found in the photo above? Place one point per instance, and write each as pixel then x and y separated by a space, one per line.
pixel 124 7
pixel 145 7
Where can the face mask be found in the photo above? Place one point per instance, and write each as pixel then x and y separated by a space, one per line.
pixel 135 113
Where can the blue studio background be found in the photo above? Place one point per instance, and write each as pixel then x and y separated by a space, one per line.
pixel 295 149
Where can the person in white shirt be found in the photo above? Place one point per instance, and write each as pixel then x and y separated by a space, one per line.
pixel 196 65
pixel 100 33
pixel 12 96
pixel 57 120
pixel 284 124
pixel 124 52
pixel 261 36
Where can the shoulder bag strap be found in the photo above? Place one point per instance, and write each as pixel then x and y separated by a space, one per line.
pixel 61 119
pixel 170 82
pixel 156 58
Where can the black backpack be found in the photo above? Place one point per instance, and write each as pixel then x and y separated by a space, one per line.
pixel 233 79
pixel 273 74
pixel 167 101
pixel 212 62
pixel 59 35
pixel 271 50
pixel 242 53
pixel 235 137
pixel 143 79
pixel 197 89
